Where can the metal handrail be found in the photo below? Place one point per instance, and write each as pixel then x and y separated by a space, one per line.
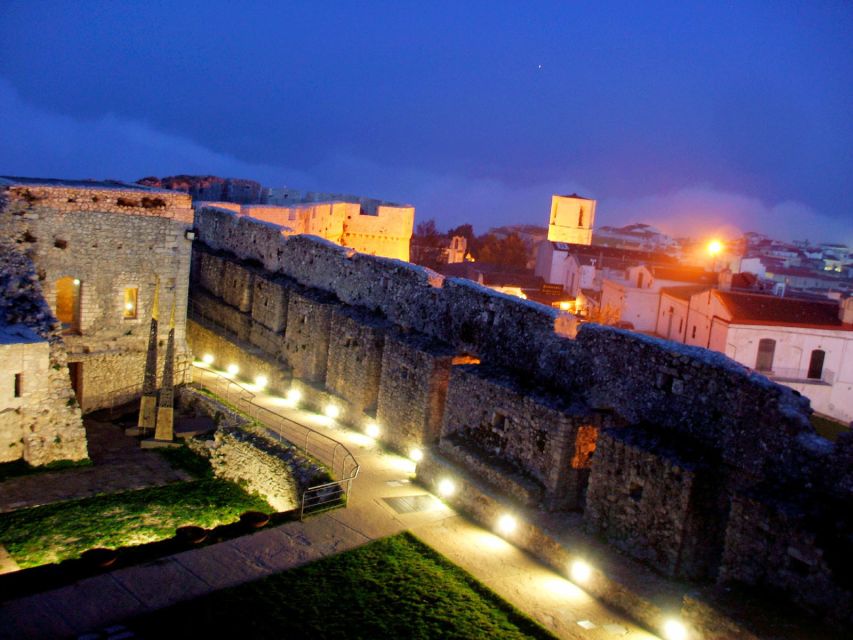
pixel 340 460
pixel 793 374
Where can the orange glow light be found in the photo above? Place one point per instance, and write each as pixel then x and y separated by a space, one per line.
pixel 714 247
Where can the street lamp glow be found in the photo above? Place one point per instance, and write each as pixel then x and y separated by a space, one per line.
pixel 372 430
pixel 416 455
pixel 76 282
pixel 674 630
pixel 233 369
pixel 580 571
pixel 506 524
pixel 207 359
pixel 714 247
pixel 446 488
pixel 261 381
pixel 294 395
pixel 332 411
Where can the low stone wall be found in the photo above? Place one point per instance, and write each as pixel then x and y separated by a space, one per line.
pixel 244 452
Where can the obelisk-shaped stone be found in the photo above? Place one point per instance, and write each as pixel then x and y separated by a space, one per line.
pixel 165 411
pixel 148 404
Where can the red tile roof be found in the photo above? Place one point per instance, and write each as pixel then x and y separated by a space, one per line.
pixel 684 292
pixel 684 274
pixel 752 308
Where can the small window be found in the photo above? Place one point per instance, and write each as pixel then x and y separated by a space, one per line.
pixel 816 364
pixel 680 324
pixel 694 331
pixel 19 385
pixel 131 299
pixel 766 351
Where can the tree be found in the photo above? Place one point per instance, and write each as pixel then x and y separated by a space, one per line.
pixel 428 245
pixel 507 252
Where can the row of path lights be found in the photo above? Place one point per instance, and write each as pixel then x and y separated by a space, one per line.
pixel 579 571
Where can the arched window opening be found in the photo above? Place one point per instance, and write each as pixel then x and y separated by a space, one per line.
pixel 580 218
pixel 68 291
pixel 816 364
pixel 766 351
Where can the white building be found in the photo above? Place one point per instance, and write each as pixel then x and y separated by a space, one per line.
pixel 803 344
pixel 571 219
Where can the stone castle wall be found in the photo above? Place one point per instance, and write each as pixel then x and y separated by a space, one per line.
pixel 111 240
pixel 43 424
pixel 685 430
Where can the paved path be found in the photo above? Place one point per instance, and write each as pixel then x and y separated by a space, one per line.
pixel 118 465
pixel 106 599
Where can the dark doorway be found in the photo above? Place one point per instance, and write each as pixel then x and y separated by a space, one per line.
pixel 76 371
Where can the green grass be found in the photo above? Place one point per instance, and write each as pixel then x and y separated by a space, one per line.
pixel 60 531
pixel 392 588
pixel 22 468
pixel 827 427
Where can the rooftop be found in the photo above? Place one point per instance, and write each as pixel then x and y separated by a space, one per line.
pixel 684 292
pixel 753 308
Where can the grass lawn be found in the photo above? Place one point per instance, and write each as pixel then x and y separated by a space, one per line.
pixel 392 588
pixel 60 531
pixel 828 428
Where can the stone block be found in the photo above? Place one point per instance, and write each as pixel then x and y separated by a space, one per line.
pixel 306 343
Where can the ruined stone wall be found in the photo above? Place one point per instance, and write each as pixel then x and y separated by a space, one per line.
pixel 687 429
pixel 243 452
pixel 412 390
pixel 793 542
pixel 541 439
pixel 356 343
pixel 111 241
pixel 656 500
pixel 44 424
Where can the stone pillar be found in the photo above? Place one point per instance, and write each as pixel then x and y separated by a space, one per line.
pixel 165 412
pixel 148 403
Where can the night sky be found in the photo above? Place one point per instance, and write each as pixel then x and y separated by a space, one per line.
pixel 695 117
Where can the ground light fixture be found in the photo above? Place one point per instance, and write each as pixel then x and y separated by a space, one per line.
pixel 294 395
pixel 580 571
pixel 261 381
pixel 332 411
pixel 507 524
pixel 416 455
pixel 233 369
pixel 207 359
pixel 674 630
pixel 372 430
pixel 446 488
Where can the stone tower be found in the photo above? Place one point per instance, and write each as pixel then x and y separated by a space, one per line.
pixel 571 219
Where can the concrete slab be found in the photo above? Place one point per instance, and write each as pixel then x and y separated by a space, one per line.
pixel 7 562
pixel 221 567
pixel 93 601
pixel 32 618
pixel 159 584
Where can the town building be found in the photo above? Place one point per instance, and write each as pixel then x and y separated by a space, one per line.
pixel 805 344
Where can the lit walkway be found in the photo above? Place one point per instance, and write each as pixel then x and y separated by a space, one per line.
pixel 108 598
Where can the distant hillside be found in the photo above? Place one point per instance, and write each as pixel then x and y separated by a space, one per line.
pixel 209 187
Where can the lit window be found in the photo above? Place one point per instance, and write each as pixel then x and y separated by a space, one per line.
pixel 131 297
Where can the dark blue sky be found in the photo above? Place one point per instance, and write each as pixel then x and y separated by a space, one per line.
pixel 692 116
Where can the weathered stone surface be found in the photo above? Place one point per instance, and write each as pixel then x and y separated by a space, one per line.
pixel 306 343
pixel 412 390
pixel 521 433
pixel 356 343
pixel 655 500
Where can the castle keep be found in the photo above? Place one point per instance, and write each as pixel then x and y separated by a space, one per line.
pixel 680 458
pixel 89 255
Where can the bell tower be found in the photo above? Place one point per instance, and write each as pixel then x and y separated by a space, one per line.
pixel 571 219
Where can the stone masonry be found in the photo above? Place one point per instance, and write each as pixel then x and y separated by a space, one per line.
pixel 670 437
pixel 115 241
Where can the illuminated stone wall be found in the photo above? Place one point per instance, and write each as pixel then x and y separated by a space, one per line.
pixel 685 429
pixel 110 238
pixel 542 442
pixel 356 343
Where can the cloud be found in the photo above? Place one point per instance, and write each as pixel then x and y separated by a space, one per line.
pixel 704 211
pixel 36 142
